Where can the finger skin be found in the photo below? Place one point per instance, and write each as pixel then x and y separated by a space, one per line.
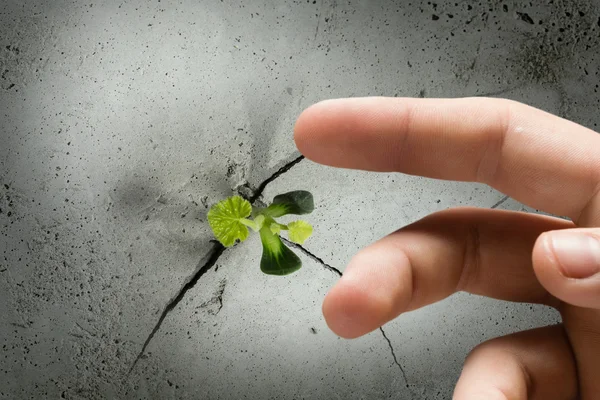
pixel 531 365
pixel 583 328
pixel 580 308
pixel 577 292
pixel 539 159
pixel 485 252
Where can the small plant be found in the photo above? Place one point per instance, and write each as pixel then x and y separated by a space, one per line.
pixel 230 219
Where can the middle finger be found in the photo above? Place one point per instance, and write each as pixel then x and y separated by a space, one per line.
pixel 484 252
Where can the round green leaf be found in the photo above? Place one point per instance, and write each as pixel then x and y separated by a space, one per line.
pixel 225 218
pixel 299 231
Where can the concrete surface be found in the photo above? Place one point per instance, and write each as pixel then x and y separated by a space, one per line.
pixel 122 121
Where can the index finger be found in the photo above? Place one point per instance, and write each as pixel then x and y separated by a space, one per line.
pixel 537 158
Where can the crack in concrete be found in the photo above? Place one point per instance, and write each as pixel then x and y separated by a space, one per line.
pixel 205 264
pixel 208 261
pixel 318 21
pixel 498 204
pixel 319 260
pixel 261 188
pixel 389 342
pixel 477 53
pixel 312 256
pixel 89 333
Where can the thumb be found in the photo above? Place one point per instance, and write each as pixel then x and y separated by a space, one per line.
pixel 567 263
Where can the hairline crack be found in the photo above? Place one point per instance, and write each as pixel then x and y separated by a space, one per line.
pixel 207 262
pixel 261 188
pixel 202 268
pixel 320 261
pixel 499 203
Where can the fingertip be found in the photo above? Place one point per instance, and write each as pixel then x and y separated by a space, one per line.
pixel 545 266
pixel 566 265
pixel 376 287
pixel 302 128
pixel 542 256
pixel 349 312
pixel 309 124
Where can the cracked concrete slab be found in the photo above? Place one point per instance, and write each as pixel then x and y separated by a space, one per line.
pixel 121 122
pixel 266 341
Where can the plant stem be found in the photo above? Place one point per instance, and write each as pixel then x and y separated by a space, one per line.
pixel 250 224
pixel 277 227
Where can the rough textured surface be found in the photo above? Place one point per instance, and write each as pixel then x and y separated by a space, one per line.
pixel 122 121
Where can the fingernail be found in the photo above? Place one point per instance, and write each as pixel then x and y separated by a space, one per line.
pixel 578 254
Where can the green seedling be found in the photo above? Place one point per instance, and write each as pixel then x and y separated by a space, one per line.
pixel 230 219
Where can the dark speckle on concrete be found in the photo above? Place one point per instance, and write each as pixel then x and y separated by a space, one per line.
pixel 525 17
pixel 204 201
pixel 13 49
pixel 230 170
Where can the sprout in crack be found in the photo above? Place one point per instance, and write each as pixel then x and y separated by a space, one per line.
pixel 230 219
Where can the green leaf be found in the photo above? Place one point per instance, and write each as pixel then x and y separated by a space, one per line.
pixel 225 219
pixel 277 258
pixel 299 231
pixel 299 202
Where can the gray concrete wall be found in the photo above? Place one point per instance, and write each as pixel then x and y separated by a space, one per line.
pixel 121 121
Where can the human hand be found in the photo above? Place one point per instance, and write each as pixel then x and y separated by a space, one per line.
pixel 538 159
